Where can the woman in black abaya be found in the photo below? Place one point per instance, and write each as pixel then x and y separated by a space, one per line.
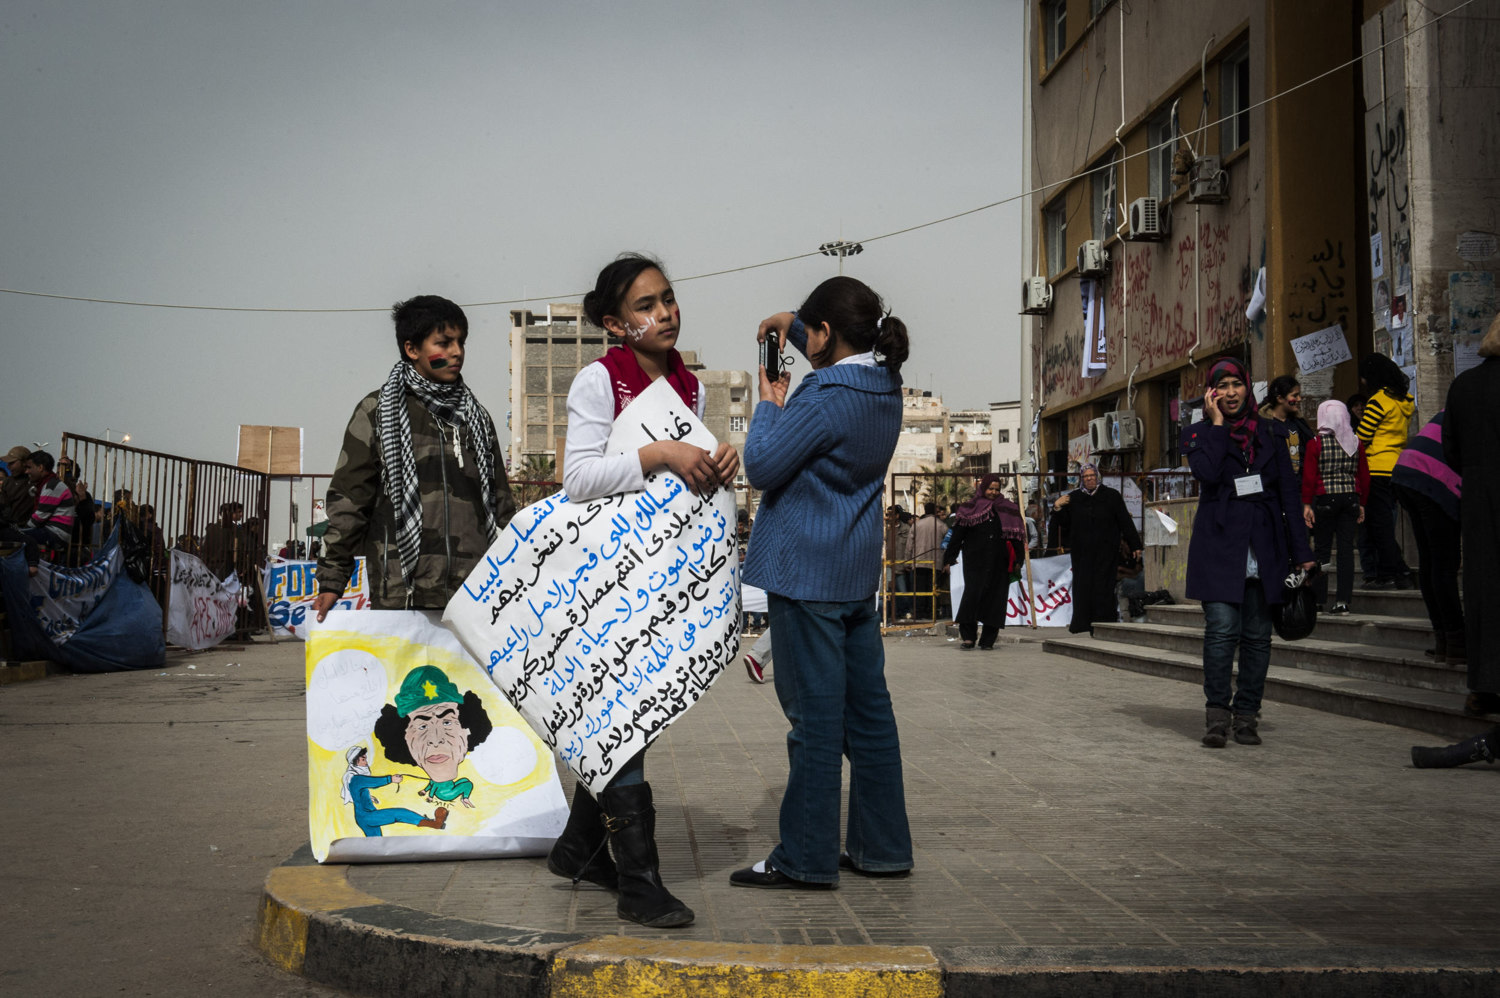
pixel 1094 520
pixel 991 536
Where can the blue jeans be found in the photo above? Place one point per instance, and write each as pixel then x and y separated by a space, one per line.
pixel 830 679
pixel 1246 625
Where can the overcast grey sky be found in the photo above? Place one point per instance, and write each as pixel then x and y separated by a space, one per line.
pixel 348 154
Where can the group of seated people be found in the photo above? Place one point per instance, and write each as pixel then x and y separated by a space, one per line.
pixel 40 509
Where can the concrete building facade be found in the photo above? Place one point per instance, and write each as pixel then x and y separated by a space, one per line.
pixel 1005 437
pixel 1269 148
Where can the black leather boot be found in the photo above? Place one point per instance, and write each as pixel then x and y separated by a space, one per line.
pixel 580 853
pixel 1215 726
pixel 631 820
pixel 1480 748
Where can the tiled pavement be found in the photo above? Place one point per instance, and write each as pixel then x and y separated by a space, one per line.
pixel 1056 804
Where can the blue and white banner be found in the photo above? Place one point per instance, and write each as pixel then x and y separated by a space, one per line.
pixel 603 621
pixel 291 588
pixel 91 619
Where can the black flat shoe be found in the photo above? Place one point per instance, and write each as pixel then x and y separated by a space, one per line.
pixel 773 879
pixel 846 863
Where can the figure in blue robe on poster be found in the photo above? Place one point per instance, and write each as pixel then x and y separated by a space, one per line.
pixel 434 726
pixel 368 815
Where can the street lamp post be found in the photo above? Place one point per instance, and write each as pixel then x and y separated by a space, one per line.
pixel 124 437
pixel 841 248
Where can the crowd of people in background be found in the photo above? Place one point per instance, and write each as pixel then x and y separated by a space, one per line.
pixel 47 510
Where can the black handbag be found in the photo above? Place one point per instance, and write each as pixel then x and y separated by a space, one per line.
pixel 1297 614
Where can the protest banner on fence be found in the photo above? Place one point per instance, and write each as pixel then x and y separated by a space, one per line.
pixel 1052 585
pixel 63 597
pixel 201 607
pixel 94 618
pixel 604 621
pixel 411 752
pixel 292 586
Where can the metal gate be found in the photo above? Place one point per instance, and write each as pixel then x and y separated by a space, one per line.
pixel 173 501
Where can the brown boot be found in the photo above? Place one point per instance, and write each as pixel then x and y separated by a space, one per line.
pixel 1439 649
pixel 438 820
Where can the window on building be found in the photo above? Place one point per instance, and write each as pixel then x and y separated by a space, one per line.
pixel 1234 101
pixel 1002 436
pixel 1159 135
pixel 1104 201
pixel 1057 237
pixel 736 424
pixel 1054 30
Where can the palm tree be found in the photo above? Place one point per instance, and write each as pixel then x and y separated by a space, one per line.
pixel 944 487
pixel 533 481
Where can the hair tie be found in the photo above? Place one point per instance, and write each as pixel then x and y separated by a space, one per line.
pixel 878 321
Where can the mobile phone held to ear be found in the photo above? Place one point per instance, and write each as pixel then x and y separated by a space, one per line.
pixel 770 359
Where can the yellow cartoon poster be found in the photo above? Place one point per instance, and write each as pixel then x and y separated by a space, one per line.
pixel 412 753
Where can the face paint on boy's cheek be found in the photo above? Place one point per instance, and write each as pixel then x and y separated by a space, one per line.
pixel 437 362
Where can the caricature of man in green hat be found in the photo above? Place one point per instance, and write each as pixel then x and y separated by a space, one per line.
pixel 434 726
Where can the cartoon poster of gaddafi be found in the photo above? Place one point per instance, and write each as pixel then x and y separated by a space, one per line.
pixel 413 754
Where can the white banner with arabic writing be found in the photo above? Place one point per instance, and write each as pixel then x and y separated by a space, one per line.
pixel 202 607
pixel 1051 582
pixel 604 621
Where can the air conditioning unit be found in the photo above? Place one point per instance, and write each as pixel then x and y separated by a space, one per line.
pixel 1092 260
pixel 1208 183
pixel 1099 435
pixel 1124 430
pixel 1148 223
pixel 1036 296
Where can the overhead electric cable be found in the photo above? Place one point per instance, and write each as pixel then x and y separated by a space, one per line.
pixel 1042 189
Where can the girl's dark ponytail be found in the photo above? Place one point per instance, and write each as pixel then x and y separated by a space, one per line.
pixel 892 346
pixel 856 315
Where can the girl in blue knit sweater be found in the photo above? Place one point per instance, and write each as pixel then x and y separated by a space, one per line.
pixel 820 456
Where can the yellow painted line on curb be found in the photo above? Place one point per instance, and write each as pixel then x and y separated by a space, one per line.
pixel 620 967
pixel 292 894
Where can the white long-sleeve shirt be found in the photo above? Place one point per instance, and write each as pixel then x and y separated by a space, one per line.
pixel 588 472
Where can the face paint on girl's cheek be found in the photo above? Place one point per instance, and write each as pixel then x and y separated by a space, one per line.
pixel 638 333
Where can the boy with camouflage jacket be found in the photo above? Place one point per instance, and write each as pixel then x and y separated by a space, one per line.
pixel 420 487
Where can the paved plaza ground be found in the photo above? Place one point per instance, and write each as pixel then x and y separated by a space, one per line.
pixel 1064 815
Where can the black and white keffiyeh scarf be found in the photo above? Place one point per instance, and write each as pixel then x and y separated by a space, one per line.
pixel 453 404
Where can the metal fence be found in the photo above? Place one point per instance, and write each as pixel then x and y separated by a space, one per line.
pixel 914 592
pixel 215 511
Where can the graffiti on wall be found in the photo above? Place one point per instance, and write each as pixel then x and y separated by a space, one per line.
pixel 1318 293
pixel 1198 281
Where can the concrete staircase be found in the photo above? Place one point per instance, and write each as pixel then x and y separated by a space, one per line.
pixel 1368 664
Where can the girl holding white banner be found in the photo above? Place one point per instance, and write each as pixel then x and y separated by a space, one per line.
pixel 633 301
pixel 820 455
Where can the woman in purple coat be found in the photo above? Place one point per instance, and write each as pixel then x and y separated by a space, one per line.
pixel 1246 536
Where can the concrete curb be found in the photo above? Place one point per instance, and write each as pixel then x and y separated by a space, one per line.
pixel 21 672
pixel 313 923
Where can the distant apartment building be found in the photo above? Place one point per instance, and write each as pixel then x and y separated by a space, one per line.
pixel 731 399
pixel 1005 436
pixel 935 439
pixel 548 349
